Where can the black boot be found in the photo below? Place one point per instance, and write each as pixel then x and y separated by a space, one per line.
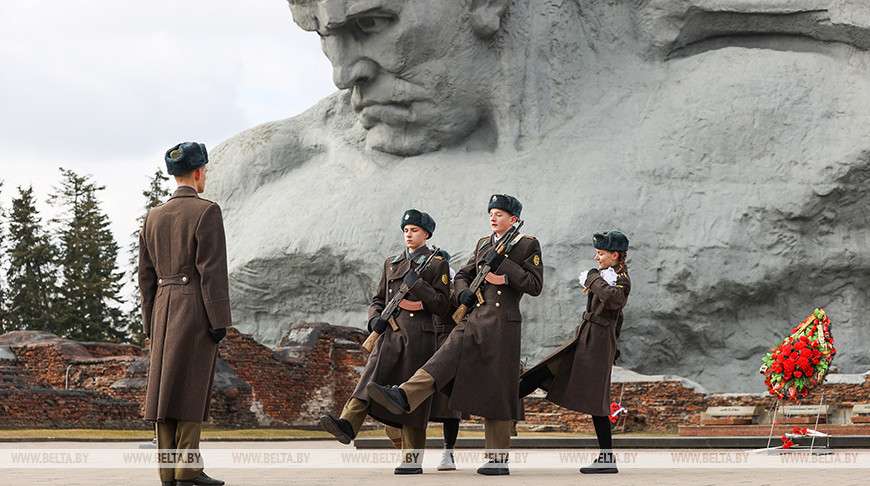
pixel 340 428
pixel 408 468
pixel 495 467
pixel 392 398
pixel 201 480
pixel 605 464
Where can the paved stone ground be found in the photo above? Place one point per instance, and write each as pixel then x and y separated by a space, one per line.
pixel 382 475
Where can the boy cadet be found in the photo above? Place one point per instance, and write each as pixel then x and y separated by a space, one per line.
pixel 398 353
pixel 478 364
pixel 185 311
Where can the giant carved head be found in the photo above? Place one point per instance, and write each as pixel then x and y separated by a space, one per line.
pixel 419 70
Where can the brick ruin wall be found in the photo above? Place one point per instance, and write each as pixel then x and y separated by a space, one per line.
pixel 292 385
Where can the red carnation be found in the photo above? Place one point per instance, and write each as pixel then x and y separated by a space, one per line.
pixel 798 374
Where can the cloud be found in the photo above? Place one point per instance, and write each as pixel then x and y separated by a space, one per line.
pixel 104 87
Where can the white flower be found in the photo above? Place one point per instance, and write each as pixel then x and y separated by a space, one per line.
pixel 609 276
pixel 583 278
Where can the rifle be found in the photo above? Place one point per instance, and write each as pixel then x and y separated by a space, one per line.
pixel 390 310
pixel 507 241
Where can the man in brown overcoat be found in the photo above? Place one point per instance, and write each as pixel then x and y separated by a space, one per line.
pixel 185 311
pixel 398 353
pixel 479 363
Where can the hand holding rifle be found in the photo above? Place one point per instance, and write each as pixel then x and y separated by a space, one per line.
pixel 493 259
pixel 389 312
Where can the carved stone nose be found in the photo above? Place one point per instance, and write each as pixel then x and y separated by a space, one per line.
pixel 348 75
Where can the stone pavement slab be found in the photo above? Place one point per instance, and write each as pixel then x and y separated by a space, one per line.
pixel 259 464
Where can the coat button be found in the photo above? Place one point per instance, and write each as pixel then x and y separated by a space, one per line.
pixel 478 304
pixel 499 292
pixel 391 291
pixel 160 282
pixel 411 314
pixel 496 304
pixel 184 279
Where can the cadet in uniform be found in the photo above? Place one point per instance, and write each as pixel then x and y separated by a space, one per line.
pixel 577 375
pixel 397 354
pixel 478 365
pixel 441 411
pixel 185 310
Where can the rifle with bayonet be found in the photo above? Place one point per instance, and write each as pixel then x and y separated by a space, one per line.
pixel 507 241
pixel 389 312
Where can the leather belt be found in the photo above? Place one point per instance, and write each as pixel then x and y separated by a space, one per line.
pixel 597 319
pixel 411 305
pixel 180 279
pixel 494 279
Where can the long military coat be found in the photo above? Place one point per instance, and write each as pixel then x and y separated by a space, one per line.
pixel 582 382
pixel 184 286
pixel 440 410
pixel 398 354
pixel 482 354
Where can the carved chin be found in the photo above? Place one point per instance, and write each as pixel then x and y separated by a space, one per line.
pixel 401 141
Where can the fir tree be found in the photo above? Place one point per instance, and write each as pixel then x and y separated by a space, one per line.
pixel 156 194
pixel 3 304
pixel 31 273
pixel 88 307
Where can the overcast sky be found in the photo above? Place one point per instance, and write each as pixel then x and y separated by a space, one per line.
pixel 104 87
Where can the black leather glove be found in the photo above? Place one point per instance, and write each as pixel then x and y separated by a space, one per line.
pixel 217 334
pixel 493 259
pixel 467 298
pixel 592 272
pixel 378 324
pixel 411 278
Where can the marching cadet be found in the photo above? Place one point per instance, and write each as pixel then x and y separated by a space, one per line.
pixel 398 352
pixel 477 365
pixel 185 310
pixel 441 411
pixel 577 375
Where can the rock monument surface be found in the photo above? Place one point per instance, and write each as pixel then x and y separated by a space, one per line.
pixel 728 138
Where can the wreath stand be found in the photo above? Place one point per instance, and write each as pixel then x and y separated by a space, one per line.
pixel 623 417
pixel 817 451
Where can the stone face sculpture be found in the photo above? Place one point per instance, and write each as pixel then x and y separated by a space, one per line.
pixel 727 138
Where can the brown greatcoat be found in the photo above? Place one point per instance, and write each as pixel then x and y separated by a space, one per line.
pixel 582 382
pixel 398 354
pixel 185 289
pixel 482 354
pixel 440 410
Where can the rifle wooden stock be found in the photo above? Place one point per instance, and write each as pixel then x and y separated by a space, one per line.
pixel 460 313
pixel 369 344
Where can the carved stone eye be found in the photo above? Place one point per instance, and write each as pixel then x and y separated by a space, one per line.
pixel 372 24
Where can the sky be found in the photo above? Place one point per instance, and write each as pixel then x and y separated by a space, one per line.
pixel 105 87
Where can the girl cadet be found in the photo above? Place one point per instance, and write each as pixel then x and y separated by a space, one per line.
pixel 577 375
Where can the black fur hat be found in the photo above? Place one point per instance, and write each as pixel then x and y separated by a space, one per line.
pixel 610 241
pixel 506 203
pixel 186 157
pixel 419 218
